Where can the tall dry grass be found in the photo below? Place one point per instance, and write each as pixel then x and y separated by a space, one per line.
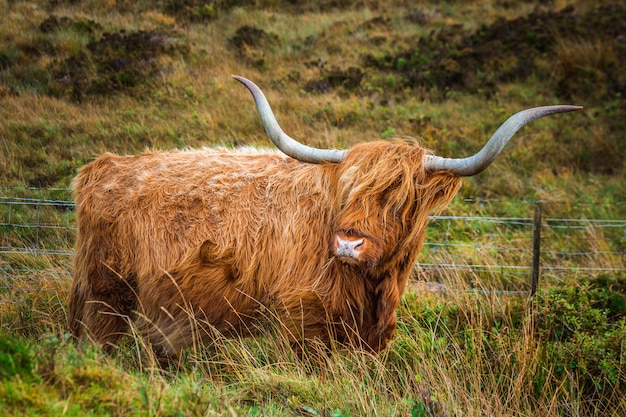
pixel 456 353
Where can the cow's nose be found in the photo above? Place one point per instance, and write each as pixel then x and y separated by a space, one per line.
pixel 348 248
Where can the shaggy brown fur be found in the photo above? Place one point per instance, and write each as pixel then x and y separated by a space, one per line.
pixel 173 239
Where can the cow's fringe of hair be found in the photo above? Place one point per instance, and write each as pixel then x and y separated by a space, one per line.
pixel 396 175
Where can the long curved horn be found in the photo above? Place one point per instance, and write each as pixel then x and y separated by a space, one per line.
pixel 286 144
pixel 466 167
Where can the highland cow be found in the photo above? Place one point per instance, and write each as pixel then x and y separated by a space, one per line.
pixel 326 239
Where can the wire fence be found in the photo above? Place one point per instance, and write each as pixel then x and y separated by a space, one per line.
pixel 514 252
pixel 483 244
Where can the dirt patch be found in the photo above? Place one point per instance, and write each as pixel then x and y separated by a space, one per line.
pixel 512 50
pixel 201 10
pixel 116 62
pixel 55 23
pixel 335 77
pixel 252 37
pixel 74 58
pixel 251 43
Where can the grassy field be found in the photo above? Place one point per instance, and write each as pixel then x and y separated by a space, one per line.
pixel 79 78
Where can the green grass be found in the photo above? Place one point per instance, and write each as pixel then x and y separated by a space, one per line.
pixel 455 354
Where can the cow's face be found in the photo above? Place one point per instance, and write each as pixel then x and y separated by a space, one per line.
pixel 368 226
pixel 385 199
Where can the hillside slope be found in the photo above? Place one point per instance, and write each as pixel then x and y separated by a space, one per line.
pixel 81 78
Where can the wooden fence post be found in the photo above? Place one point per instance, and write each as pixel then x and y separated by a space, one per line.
pixel 536 248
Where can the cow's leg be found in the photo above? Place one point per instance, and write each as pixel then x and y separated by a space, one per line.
pixel 100 304
pixel 304 321
pixel 379 326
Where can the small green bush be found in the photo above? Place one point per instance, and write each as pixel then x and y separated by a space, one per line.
pixel 16 358
pixel 582 330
